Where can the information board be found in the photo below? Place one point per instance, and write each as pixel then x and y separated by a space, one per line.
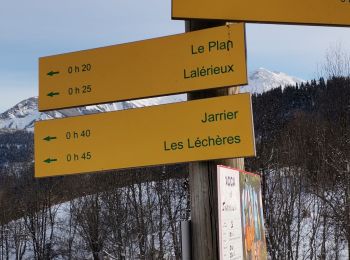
pixel 241 219
pixel 230 226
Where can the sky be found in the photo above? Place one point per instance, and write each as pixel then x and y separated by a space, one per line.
pixel 37 28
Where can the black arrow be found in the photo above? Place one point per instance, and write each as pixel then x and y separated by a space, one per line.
pixel 49 160
pixel 52 73
pixel 49 138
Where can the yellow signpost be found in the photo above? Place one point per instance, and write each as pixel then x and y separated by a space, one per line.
pixel 205 59
pixel 190 131
pixel 313 12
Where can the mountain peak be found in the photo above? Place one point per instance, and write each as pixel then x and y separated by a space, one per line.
pixel 262 80
pixel 21 109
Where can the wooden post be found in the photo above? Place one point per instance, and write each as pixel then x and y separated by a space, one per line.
pixel 203 179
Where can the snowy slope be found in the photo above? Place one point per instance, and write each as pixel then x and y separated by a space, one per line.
pixel 262 80
pixel 24 114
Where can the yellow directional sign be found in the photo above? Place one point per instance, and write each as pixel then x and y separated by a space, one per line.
pixel 205 59
pixel 313 12
pixel 190 131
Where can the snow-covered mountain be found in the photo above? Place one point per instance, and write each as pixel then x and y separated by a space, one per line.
pixel 262 80
pixel 24 114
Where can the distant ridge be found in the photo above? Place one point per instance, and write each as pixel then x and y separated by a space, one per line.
pixel 23 115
